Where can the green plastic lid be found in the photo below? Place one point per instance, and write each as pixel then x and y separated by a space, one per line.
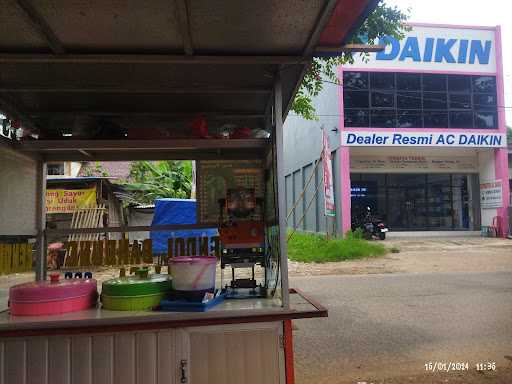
pixel 136 286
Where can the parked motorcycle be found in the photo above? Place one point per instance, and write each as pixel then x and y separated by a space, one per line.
pixel 371 226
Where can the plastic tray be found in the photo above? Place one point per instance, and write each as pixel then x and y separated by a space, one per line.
pixel 187 306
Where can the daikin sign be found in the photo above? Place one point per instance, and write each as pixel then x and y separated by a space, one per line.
pixel 426 48
pixel 439 50
pixel 438 139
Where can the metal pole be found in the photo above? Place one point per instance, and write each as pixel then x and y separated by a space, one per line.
pixel 281 197
pixel 41 261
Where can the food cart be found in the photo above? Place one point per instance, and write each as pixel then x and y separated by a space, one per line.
pixel 195 80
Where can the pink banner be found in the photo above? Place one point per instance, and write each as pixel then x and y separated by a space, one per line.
pixel 330 208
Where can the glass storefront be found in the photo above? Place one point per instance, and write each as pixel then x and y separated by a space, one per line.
pixel 413 201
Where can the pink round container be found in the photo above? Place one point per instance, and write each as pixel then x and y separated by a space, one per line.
pixel 52 297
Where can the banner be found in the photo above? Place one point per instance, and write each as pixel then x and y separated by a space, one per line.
pixel 491 195
pixel 69 200
pixel 330 208
pixel 415 163
pixel 416 139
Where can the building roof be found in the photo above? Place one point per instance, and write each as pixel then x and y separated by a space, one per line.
pixel 114 169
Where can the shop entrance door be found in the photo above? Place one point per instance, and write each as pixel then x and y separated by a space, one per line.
pixel 407 208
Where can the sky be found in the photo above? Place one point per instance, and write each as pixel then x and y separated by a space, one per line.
pixel 469 12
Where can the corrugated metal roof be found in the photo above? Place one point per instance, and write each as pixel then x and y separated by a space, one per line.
pixel 159 62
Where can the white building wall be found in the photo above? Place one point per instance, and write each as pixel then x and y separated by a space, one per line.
pixel 18 194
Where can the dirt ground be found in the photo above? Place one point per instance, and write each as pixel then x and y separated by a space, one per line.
pixel 470 254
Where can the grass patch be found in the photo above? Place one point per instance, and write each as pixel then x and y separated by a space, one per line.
pixel 314 248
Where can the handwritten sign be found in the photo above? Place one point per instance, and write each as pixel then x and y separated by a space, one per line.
pixel 69 200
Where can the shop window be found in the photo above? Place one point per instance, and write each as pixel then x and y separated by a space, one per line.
pixel 461 119
pixel 355 80
pixel 484 101
pixel 356 118
pixel 434 82
pixel 408 100
pixel 408 81
pixel 459 83
pixel 434 100
pixel 356 99
pixel 382 80
pixel 409 119
pixel 55 169
pixel 486 84
pixel 460 101
pixel 435 119
pixel 486 120
pixel 383 118
pixel 383 99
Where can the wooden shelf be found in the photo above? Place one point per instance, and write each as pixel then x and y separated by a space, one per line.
pixel 125 149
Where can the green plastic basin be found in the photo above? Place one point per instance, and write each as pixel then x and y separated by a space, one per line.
pixel 133 293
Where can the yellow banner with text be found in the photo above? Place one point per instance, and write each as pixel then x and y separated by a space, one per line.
pixel 69 200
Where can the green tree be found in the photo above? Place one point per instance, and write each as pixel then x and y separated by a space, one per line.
pixel 150 180
pixel 383 21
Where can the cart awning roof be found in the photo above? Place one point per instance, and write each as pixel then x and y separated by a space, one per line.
pixel 152 62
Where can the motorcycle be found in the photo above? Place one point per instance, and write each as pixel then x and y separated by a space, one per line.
pixel 371 226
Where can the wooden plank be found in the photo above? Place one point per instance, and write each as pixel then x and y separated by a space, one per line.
pixel 163 144
pixel 15 361
pixel 21 88
pixel 218 364
pixel 122 251
pixel 147 251
pixel 235 350
pixel 37 360
pixel 138 228
pixel 2 259
pixel 166 357
pixel 84 255
pixel 146 357
pixel 253 355
pixel 151 59
pixel 59 361
pixel 124 359
pixel 39 23
pixel 270 356
pixel 2 362
pixel 81 360
pixel 103 359
pixel 200 366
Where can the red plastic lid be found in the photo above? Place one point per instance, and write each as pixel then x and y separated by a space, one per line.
pixel 193 259
pixel 48 291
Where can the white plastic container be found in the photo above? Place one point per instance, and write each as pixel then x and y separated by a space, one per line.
pixel 193 273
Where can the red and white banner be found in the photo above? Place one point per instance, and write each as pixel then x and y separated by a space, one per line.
pixel 330 208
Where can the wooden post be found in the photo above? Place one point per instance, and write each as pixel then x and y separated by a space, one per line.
pixel 281 195
pixel 41 262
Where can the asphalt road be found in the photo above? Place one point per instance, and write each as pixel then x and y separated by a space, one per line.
pixel 385 328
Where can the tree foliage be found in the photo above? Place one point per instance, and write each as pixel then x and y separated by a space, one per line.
pixel 383 21
pixel 149 180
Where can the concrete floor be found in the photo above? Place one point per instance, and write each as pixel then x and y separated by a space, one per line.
pixel 384 328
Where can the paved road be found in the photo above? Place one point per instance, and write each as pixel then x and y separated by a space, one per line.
pixel 389 326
